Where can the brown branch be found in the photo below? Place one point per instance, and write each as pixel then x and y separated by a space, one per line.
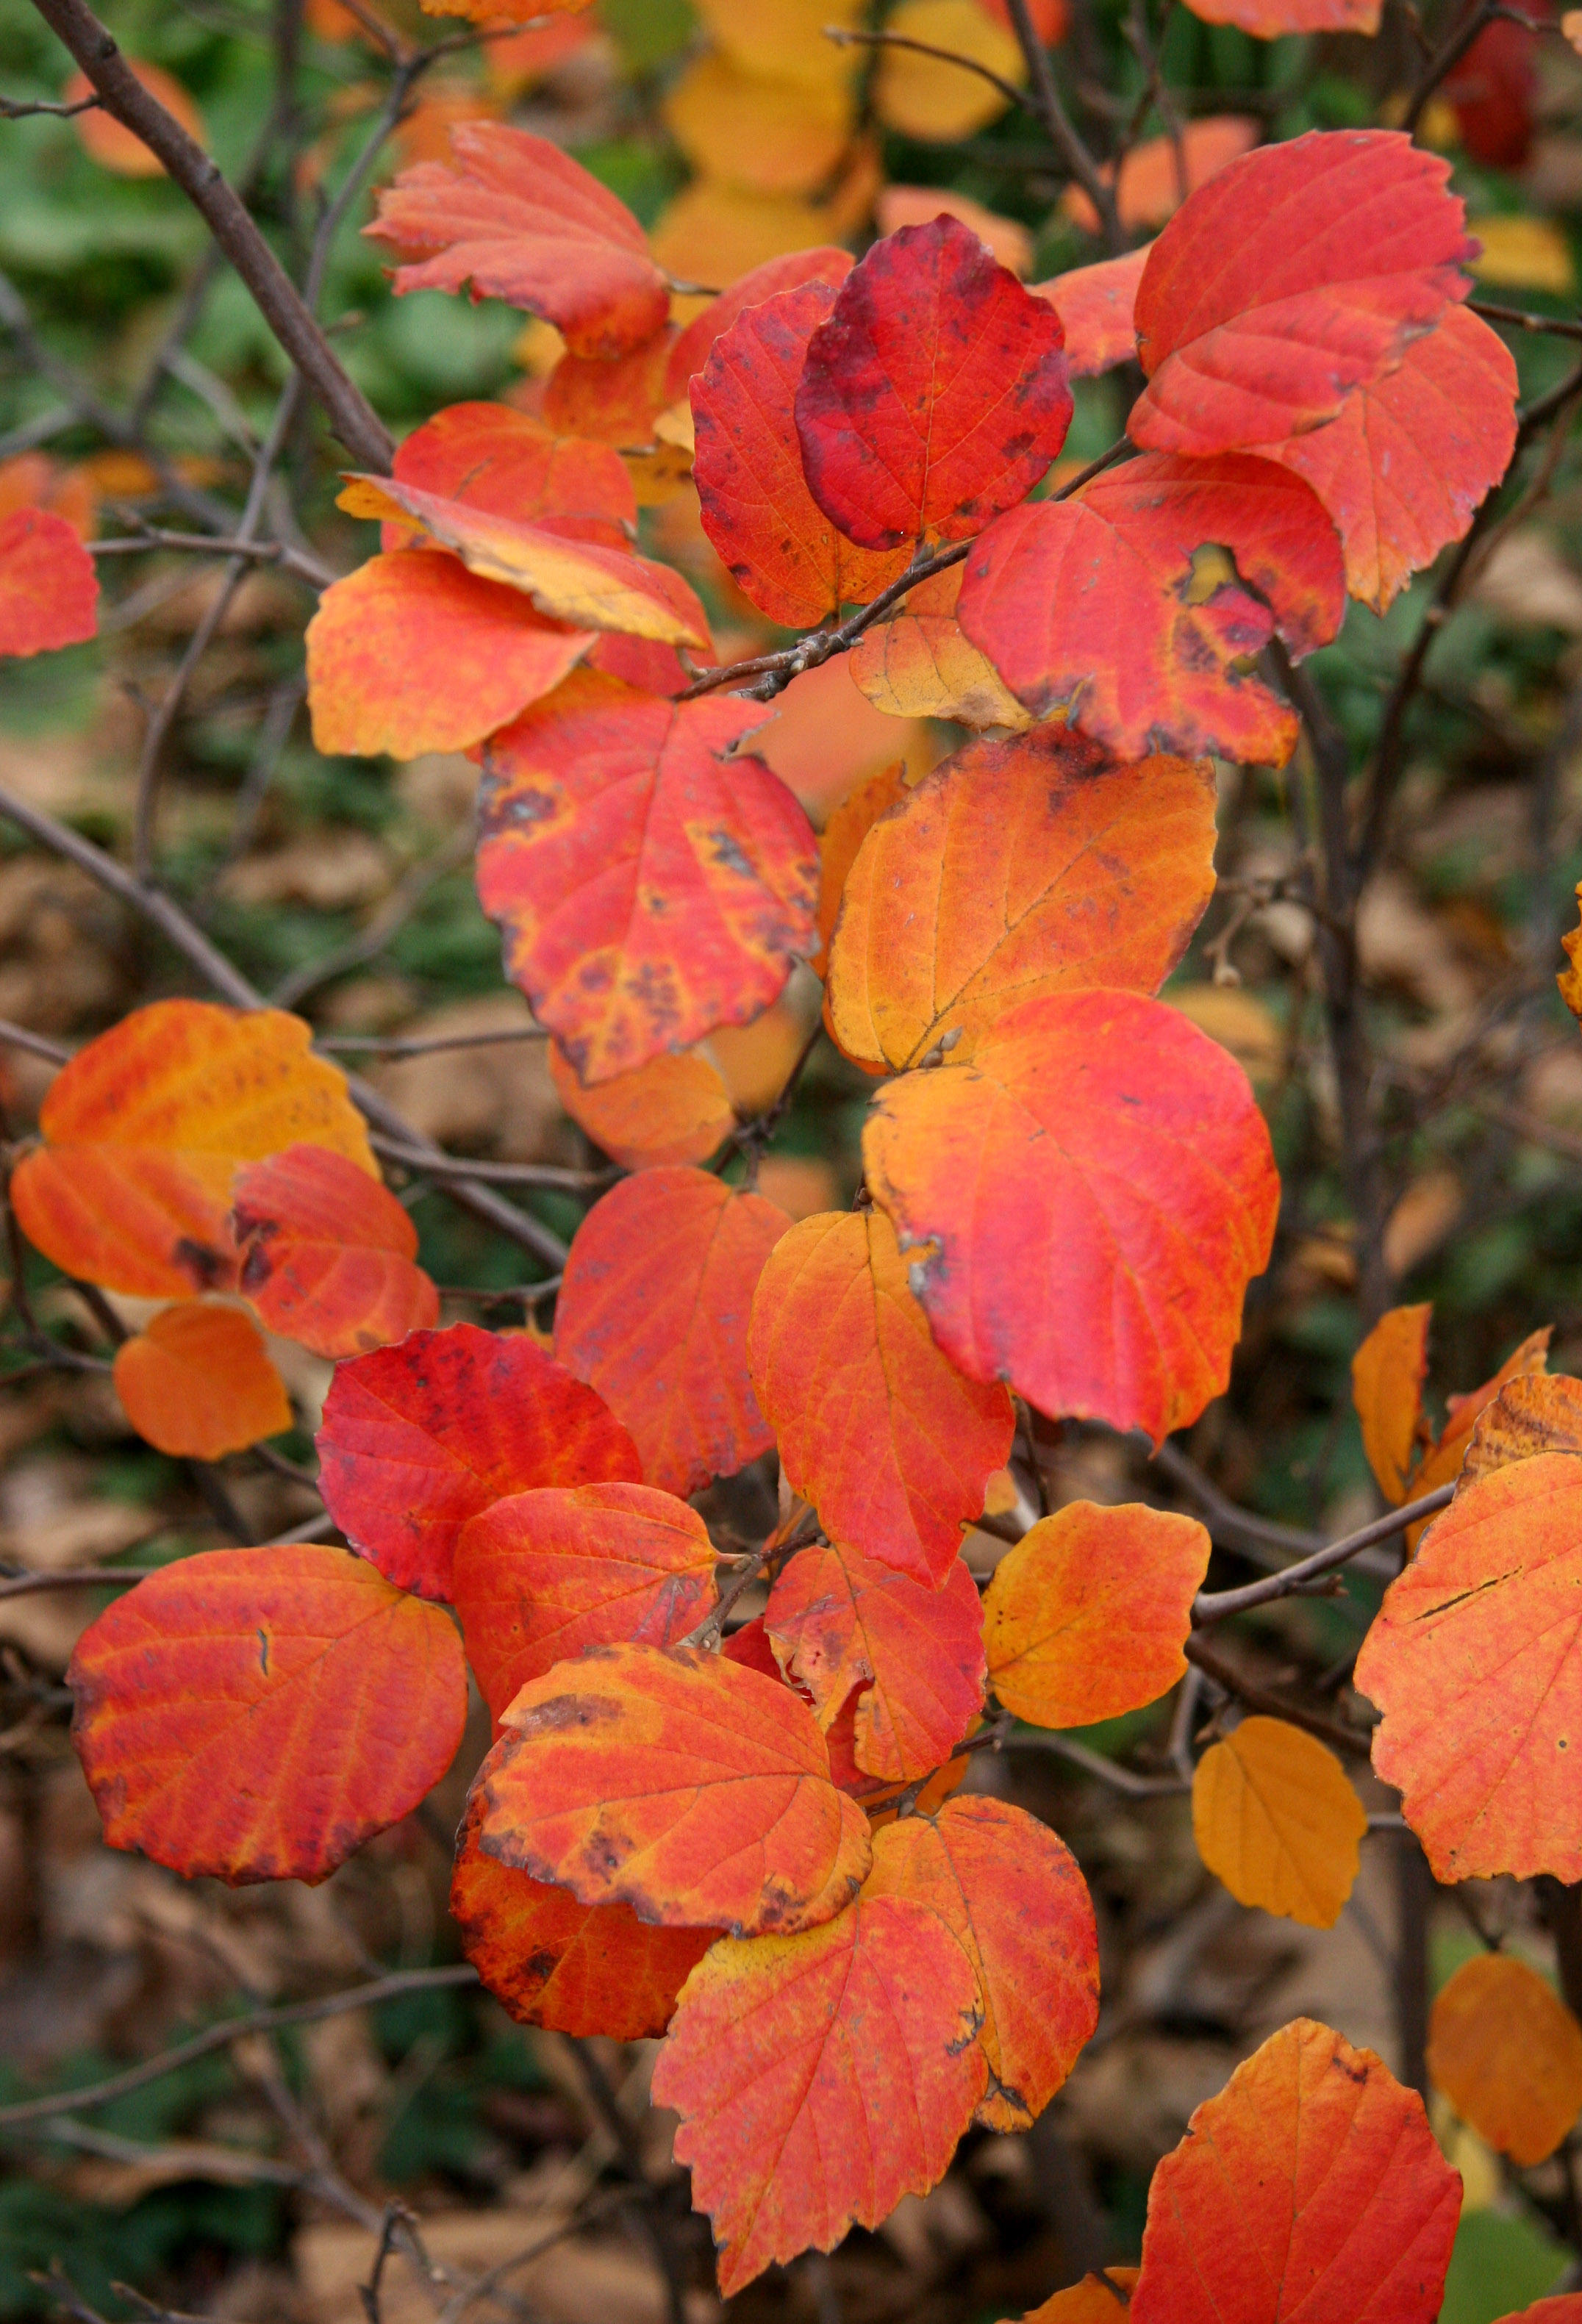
pixel 12 109
pixel 1214 1605
pixel 1062 134
pixel 1225 1673
pixel 1518 320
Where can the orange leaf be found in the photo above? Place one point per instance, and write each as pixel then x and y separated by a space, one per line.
pixel 680 1783
pixel 1473 1660
pixel 488 457
pixel 839 1620
pixel 1145 1197
pixel 848 826
pixel 541 1576
pixel 418 1439
pixel 1275 1817
pixel 327 1253
pixel 1564 2308
pixel 1532 1413
pixel 114 146
pixel 1015 869
pixel 49 591
pixel 820 2078
pixel 1151 187
pixel 935 394
pixel 1570 979
pixel 256 1714
pixel 1526 1362
pixel 613 403
pixel 650 887
pixel 878 1428
pixel 1011 1897
pixel 777 543
pixel 1093 608
pixel 413 653
pixel 1094 2301
pixel 525 222
pixel 674 1109
pixel 1299 273
pixel 1313 2181
pixel 1086 1617
pixel 1387 1374
pixel 197 1383
pixel 146 1129
pixel 1094 305
pixel 1273 20
pixel 575 1968
pixel 1408 458
pixel 654 1311
pixel 1507 2053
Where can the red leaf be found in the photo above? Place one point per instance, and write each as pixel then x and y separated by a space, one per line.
pixel 678 1782
pixel 1494 93
pixel 541 1576
pixel 49 591
pixel 653 1313
pixel 1407 461
pixel 690 352
pixel 413 653
pixel 1272 20
pixel 1094 305
pixel 614 403
pixel 418 1439
pixel 488 457
pixel 1310 2187
pixel 1299 273
pixel 1145 1196
pixel 197 1383
pixel 839 1620
pixel 877 1427
pixel 1092 608
pixel 526 223
pixel 778 545
pixel 575 1968
pixel 257 1714
pixel 327 1253
pixel 820 2078
pixel 934 396
pixel 650 887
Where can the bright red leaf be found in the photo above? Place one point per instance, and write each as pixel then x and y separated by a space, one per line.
pixel 488 455
pixel 417 1439
pixel 329 1254
pixel 256 1714
pixel 1274 20
pixel 1094 305
pixel 651 887
pixel 653 1313
pixel 197 1383
pixel 1142 1197
pixel 934 396
pixel 49 591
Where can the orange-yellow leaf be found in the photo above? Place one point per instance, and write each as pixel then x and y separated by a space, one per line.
pixel 1507 2053
pixel 506 12
pixel 196 1382
pixel 539 1577
pixel 1157 176
pixel 256 1714
pixel 144 1130
pixel 876 1427
pixel 1311 2182
pixel 1473 1660
pixel 1387 1374
pixel 653 1313
pixel 1095 2300
pixel 839 1621
pixel 417 1439
pixel 674 1109
pixel 1085 1618
pixel 766 134
pixel 1536 1413
pixel 1276 1819
pixel 820 2078
pixel 49 591
pixel 329 1254
pixel 847 827
pixel 1017 867
pixel 1143 1198
pixel 1012 1897
pixel 680 1783
pixel 1569 978
pixel 575 1968
pixel 931 99
pixel 924 665
pixel 1442 1464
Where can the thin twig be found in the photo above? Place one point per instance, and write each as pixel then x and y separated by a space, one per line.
pixel 1063 133
pixel 1225 1673
pixel 845 39
pixel 1214 1605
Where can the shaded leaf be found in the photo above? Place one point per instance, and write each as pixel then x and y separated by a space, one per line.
pixel 1387 1374
pixel 935 394
pixel 1299 273
pixel 523 221
pixel 1507 2053
pixel 650 887
pixel 197 1383
pixel 110 141
pixel 418 1439
pixel 768 135
pixel 329 1254
pixel 674 1109
pixel 49 591
pixel 1094 305
pixel 820 2078
pixel 541 1576
pixel 678 1782
pixel 144 1130
pixel 1094 609
pixel 690 350
pixel 1311 2182
pixel 491 456
pixel 1442 1464
pixel 1144 1198
pixel 1085 1618
pixel 1276 1819
pixel 257 1714
pixel 876 1427
pixel 1151 186
pixel 1016 868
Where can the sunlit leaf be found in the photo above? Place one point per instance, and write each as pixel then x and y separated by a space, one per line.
pixel 1275 1816
pixel 328 1254
pixel 1507 2053
pixel 196 1382
pixel 769 134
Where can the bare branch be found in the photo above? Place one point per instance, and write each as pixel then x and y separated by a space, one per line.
pixel 1214 1605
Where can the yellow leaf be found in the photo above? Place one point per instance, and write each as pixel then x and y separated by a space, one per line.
pixel 924 666
pixel 1240 1022
pixel 1276 1819
pixel 1524 253
pixel 1507 2053
pixel 772 136
pixel 927 98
